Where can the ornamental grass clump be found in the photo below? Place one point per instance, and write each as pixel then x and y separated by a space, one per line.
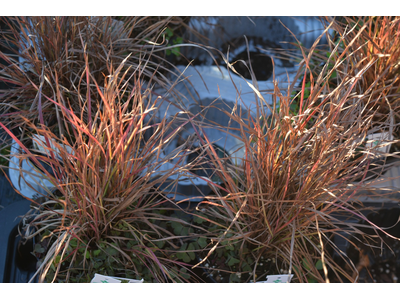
pixel 370 44
pixel 278 211
pixel 107 214
pixel 373 41
pixel 48 56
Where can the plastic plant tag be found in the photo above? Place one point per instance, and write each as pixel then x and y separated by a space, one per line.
pixel 33 181
pixel 104 279
pixel 127 279
pixel 98 278
pixel 40 143
pixel 376 139
pixel 285 278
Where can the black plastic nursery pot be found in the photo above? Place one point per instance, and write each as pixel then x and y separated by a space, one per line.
pixel 17 263
pixel 378 259
pixel 219 32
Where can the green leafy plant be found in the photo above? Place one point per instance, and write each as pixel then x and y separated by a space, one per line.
pixel 229 262
pixel 318 265
pixel 169 34
pixel 4 154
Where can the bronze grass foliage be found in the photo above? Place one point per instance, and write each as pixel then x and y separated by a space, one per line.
pixel 51 54
pixel 370 44
pixel 109 204
pixel 375 42
pixel 283 201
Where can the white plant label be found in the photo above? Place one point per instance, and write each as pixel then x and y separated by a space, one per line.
pixel 98 278
pixel 285 278
pixel 376 139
